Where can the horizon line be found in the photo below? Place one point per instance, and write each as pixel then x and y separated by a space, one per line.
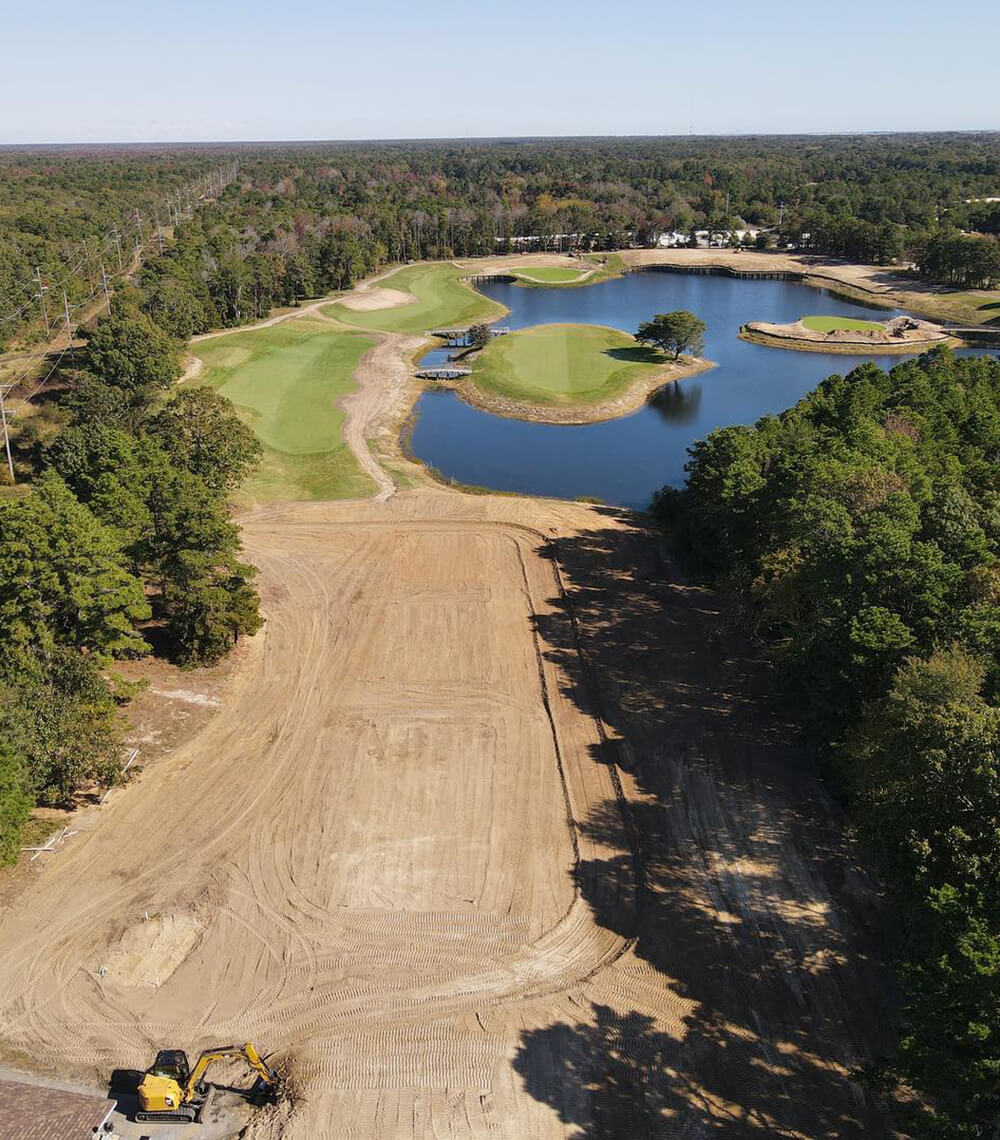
pixel 500 138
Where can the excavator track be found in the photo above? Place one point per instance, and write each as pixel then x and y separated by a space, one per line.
pixel 178 1117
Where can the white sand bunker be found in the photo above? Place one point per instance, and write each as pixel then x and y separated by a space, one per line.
pixel 376 298
pixel 152 949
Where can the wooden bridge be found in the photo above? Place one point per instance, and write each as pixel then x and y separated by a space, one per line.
pixel 719 271
pixel 506 278
pixel 459 338
pixel 442 373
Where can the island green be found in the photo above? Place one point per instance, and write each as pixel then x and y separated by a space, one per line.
pixel 831 324
pixel 564 364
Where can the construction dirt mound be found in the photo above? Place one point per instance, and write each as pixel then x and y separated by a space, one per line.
pixel 491 835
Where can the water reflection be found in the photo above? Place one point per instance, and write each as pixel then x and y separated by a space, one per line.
pixel 678 403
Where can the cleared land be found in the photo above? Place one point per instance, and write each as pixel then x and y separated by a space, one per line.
pixel 569 364
pixel 829 324
pixel 287 382
pixel 491 835
pixel 441 299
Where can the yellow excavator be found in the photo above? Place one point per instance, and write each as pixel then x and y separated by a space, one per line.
pixel 172 1090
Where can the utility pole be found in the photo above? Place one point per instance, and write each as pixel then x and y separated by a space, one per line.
pixel 107 295
pixel 41 298
pixel 69 327
pixel 118 245
pixel 6 436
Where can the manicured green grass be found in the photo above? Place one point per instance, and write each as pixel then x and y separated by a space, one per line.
pixel 551 274
pixel 286 382
pixel 563 364
pixel 443 301
pixel 828 324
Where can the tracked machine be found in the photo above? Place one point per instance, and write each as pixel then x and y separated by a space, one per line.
pixel 171 1090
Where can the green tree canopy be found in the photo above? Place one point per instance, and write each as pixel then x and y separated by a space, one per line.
pixel 676 332
pixel 128 350
pixel 63 579
pixel 199 430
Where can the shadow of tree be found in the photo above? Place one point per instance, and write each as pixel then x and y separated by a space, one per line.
pixel 753 911
pixel 637 354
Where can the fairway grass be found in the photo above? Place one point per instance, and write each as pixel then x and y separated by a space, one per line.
pixel 286 382
pixel 830 324
pixel 980 307
pixel 553 275
pixel 443 300
pixel 564 364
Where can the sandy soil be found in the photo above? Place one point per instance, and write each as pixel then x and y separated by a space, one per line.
pixel 492 832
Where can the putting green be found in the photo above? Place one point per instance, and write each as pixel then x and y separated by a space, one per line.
pixel 829 324
pixel 563 364
pixel 551 275
pixel 286 382
pixel 443 300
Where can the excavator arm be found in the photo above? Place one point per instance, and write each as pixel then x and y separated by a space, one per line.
pixel 268 1077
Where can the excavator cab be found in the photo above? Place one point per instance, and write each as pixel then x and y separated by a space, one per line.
pixel 162 1090
pixel 172 1063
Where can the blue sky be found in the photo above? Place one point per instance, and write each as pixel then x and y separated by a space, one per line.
pixel 113 71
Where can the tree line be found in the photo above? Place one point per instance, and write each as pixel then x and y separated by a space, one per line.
pixel 858 533
pixel 303 220
pixel 121 546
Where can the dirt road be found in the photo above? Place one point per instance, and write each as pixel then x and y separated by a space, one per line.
pixel 493 834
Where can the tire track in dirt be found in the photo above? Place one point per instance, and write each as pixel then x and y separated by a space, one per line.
pixel 290 981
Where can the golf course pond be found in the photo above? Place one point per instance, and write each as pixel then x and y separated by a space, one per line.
pixel 623 461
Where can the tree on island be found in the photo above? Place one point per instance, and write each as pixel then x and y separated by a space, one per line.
pixel 676 332
pixel 479 336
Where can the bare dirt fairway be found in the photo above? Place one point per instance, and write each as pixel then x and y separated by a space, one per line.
pixel 490 836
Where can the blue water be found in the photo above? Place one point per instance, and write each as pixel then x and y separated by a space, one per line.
pixel 623 461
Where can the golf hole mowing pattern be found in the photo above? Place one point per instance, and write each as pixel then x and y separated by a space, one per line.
pixel 566 363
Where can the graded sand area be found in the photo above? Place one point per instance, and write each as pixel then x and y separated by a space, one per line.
pixel 493 833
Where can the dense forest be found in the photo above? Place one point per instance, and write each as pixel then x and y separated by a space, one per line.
pixel 300 220
pixel 122 545
pixel 859 534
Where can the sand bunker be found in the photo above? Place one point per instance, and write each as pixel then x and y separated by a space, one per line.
pixel 376 298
